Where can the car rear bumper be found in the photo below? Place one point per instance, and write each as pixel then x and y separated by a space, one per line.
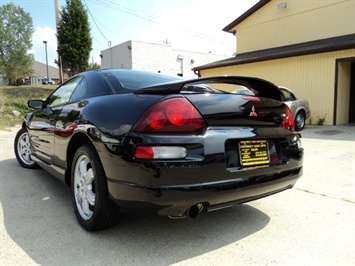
pixel 211 176
pixel 176 201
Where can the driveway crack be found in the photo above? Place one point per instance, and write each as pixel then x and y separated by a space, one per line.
pixel 325 195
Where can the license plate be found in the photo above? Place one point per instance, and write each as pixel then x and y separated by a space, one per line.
pixel 254 152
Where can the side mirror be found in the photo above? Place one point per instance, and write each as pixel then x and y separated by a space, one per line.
pixel 36 104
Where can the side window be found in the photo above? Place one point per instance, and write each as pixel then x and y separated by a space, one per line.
pixel 64 92
pixel 80 91
pixel 293 97
pixel 286 96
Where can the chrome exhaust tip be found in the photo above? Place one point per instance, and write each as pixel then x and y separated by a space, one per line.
pixel 190 213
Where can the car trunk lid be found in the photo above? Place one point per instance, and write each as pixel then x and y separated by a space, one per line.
pixel 232 110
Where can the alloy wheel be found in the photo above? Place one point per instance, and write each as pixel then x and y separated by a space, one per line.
pixel 300 121
pixel 84 187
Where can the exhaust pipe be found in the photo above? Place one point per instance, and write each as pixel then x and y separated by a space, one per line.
pixel 190 213
pixel 194 211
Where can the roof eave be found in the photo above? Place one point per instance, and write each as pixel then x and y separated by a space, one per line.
pixel 312 47
pixel 246 14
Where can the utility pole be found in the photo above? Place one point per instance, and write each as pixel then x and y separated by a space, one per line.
pixel 47 79
pixel 57 18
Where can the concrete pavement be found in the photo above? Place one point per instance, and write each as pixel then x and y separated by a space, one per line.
pixel 312 224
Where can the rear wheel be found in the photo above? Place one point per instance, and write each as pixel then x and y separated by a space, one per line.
pixel 300 121
pixel 22 148
pixel 93 208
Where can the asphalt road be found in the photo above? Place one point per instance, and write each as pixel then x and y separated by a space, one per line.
pixel 311 224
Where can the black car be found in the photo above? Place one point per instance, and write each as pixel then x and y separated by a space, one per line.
pixel 137 142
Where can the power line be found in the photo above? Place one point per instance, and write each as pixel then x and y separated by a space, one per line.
pixel 116 6
pixel 108 42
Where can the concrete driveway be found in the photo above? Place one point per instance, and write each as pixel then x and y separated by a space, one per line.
pixel 312 224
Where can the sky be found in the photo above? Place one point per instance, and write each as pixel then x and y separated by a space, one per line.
pixel 192 25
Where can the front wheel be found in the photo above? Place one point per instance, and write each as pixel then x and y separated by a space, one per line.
pixel 300 121
pixel 93 208
pixel 22 148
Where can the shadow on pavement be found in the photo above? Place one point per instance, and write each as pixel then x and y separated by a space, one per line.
pixel 344 132
pixel 39 218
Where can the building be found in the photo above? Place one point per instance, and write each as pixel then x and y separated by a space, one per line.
pixel 3 80
pixel 39 73
pixel 308 46
pixel 160 58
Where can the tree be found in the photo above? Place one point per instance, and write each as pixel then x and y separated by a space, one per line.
pixel 93 66
pixel 74 39
pixel 16 28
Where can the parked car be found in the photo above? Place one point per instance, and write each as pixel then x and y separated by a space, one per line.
pixel 130 141
pixel 48 81
pixel 299 108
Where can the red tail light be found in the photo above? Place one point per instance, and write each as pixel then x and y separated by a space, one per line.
pixel 288 120
pixel 144 152
pixel 171 115
pixel 160 152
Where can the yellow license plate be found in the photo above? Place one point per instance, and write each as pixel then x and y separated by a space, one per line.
pixel 254 152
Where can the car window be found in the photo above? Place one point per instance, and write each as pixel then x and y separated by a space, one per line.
pixel 126 80
pixel 64 92
pixel 287 96
pixel 294 98
pixel 80 91
pixel 242 90
pixel 199 88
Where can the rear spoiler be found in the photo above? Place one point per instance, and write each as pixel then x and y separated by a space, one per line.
pixel 263 87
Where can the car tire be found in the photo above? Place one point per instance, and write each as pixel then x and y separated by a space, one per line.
pixel 300 121
pixel 92 206
pixel 22 148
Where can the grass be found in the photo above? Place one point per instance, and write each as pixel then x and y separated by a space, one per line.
pixel 14 98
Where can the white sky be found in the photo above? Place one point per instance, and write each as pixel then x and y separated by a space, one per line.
pixel 194 25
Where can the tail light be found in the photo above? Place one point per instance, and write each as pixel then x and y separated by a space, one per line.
pixel 288 120
pixel 160 152
pixel 171 115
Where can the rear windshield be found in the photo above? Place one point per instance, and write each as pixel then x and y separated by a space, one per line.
pixel 123 80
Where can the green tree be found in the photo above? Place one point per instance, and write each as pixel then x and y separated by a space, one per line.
pixel 16 28
pixel 94 66
pixel 74 39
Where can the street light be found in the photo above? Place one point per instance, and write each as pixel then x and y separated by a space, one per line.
pixel 45 44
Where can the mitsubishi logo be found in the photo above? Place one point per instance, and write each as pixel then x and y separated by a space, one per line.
pixel 253 113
